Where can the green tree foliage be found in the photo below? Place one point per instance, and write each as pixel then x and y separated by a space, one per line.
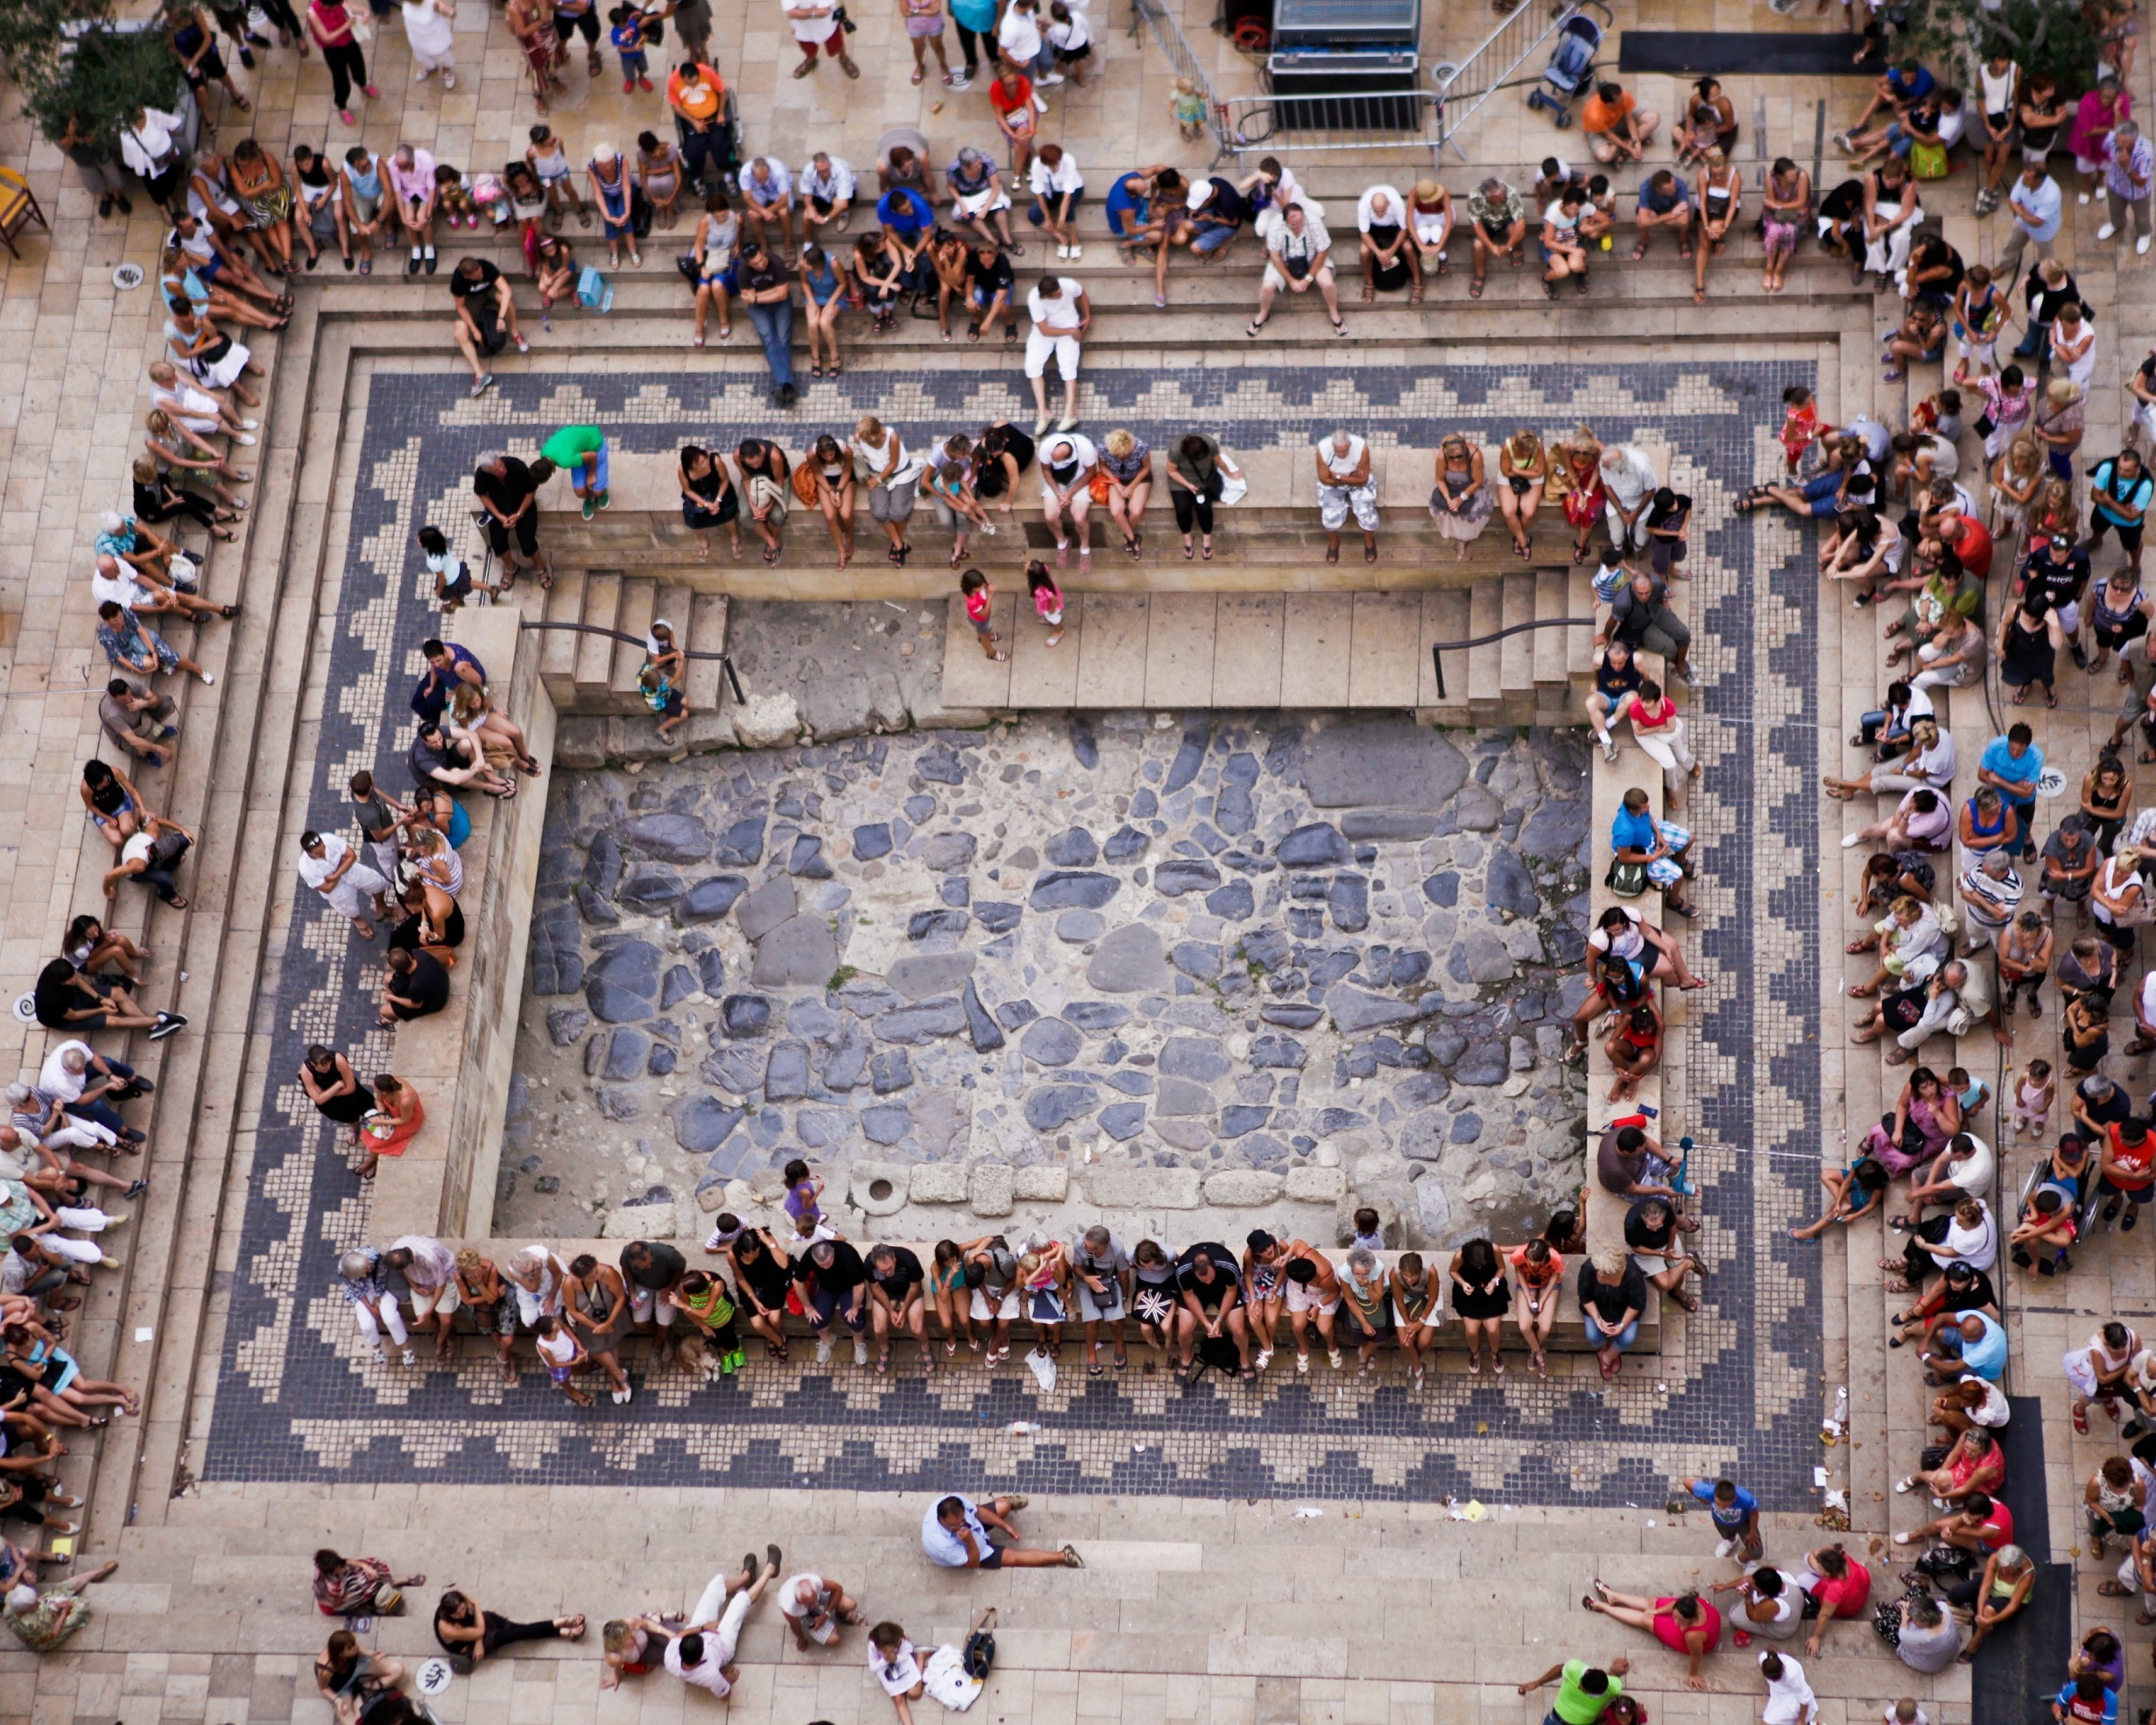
pixel 2053 36
pixel 100 75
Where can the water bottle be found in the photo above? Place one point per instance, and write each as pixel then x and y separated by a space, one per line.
pixel 1831 1428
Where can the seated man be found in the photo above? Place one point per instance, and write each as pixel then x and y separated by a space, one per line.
pixel 1650 1235
pixel 1665 201
pixel 147 595
pixel 1617 127
pixel 417 986
pixel 140 722
pixel 1214 212
pixel 1386 248
pixel 827 192
pixel 954 1535
pixel 1905 85
pixel 767 201
pixel 440 758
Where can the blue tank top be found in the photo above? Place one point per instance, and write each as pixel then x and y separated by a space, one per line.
pixel 822 284
pixel 367 184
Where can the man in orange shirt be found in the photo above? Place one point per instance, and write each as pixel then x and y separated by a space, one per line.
pixel 697 94
pixel 1617 127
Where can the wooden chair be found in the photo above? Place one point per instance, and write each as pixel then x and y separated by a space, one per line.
pixel 19 208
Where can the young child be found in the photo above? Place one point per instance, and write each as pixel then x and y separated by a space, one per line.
pixel 1973 1093
pixel 1048 599
pixel 1598 220
pixel 1801 425
pixel 979 608
pixel 2048 1227
pixel 2033 1092
pixel 803 1189
pixel 1039 1274
pixel 1904 1712
pixel 627 36
pixel 1369 1231
pixel 561 1353
pixel 527 207
pixel 550 163
pixel 1940 414
pixel 661 695
pixel 1189 108
pixel 453 196
pixel 453 583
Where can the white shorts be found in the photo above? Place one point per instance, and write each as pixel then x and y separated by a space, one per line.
pixel 444 1299
pixel 644 1306
pixel 1039 347
pixel 1005 1308
pixel 1430 234
pixel 1307 1299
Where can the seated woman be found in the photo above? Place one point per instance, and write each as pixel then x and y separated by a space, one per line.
pixel 350 1678
pixel 1919 823
pixel 710 498
pixel 396 1121
pixel 1686 1624
pixel 1852 1192
pixel 1995 1595
pixel 826 479
pixel 1625 934
pixel 554 271
pixel 881 273
pixel 1462 500
pixel 1925 1116
pixel 1616 988
pixel 462 1629
pixel 501 739
pixel 1908 934
pixel 116 809
pixel 1128 462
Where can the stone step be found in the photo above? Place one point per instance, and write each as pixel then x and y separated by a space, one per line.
pixel 1516 593
pixel 639 604
pixel 594 653
pixel 1552 650
pixel 1485 667
pixel 1297 650
pixel 707 677
pixel 557 653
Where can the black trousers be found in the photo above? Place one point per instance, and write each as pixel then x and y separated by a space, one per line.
pixel 347 67
pixel 1190 507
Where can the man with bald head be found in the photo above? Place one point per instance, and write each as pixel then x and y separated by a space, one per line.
pixel 816 1608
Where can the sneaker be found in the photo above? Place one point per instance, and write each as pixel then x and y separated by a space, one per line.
pixel 861 1352
pixel 1068 423
pixel 523 346
pixel 168 1023
pixel 590 509
pixel 622 1396
pixel 449 80
pixel 2080 197
pixel 962 81
pixel 606 500
pixel 245 440
pixel 1047 78
pixel 2140 246
pixel 482 386
pixel 1302 1362
pixel 1608 748
pixel 2106 232
pixel 1725 1547
pixel 823 1352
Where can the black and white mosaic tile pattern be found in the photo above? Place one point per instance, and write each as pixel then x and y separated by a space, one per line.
pixel 1735 1387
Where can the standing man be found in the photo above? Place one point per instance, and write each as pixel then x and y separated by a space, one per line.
pixel 581 451
pixel 486 317
pixel 333 868
pixel 1735 1512
pixel 1061 315
pixel 508 490
pixel 2012 765
pixel 955 1534
pixel 816 26
pixel 2128 161
pixel 766 290
pixel 2038 206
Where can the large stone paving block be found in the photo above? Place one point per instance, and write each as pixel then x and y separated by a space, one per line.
pixel 939 1183
pixel 1143 1188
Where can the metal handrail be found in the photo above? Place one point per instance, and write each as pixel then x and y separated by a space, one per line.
pixel 1184 57
pixel 1490 66
pixel 725 663
pixel 1440 648
pixel 1292 123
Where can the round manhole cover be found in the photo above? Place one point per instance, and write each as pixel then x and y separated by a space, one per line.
pixel 433 1679
pixel 128 277
pixel 2051 784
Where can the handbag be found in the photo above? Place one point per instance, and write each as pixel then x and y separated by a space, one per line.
pixel 686 264
pixel 639 214
pixel 1928 160
pixel 805 485
pixel 1099 488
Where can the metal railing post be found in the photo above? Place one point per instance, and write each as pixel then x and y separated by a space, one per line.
pixel 1439 649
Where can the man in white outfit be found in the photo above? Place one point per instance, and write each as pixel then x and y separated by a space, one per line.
pixel 333 868
pixel 1061 314
pixel 703 1653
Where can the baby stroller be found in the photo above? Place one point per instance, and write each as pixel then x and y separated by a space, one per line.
pixel 1571 69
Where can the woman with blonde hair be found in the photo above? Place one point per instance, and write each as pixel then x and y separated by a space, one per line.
pixel 1524 465
pixel 2016 478
pixel 1127 463
pixel 1578 463
pixel 829 475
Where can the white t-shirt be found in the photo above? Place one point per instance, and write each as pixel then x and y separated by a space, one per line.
pixel 56 1081
pixel 836 187
pixel 1018 35
pixel 1055 181
pixel 1060 314
pixel 122 589
pixel 1395 211
pixel 1340 466
pixel 1567 224
pixel 766 191
pixel 790 1596
pixel 1974 1172
pixel 1078 33
pixel 1084 453
pixel 706 1675
pixel 870 459
pixel 897 1675
pixel 137 849
pixel 815 29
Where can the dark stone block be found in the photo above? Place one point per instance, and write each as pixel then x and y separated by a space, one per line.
pixel 741 845
pixel 1316 846
pixel 710 898
pixel 1232 902
pixel 745 1014
pixel 997 919
pixel 670 838
pixel 871 842
pixel 703 1124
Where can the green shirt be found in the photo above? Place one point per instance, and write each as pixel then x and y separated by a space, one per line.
pixel 567 448
pixel 1575 1706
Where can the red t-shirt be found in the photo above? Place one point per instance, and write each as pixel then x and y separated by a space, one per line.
pixel 1973 547
pixel 2137 1163
pixel 2001 1520
pixel 1847 1597
pixel 1003 102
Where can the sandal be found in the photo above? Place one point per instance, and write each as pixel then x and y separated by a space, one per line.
pixel 1474 288
pixel 1254 325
